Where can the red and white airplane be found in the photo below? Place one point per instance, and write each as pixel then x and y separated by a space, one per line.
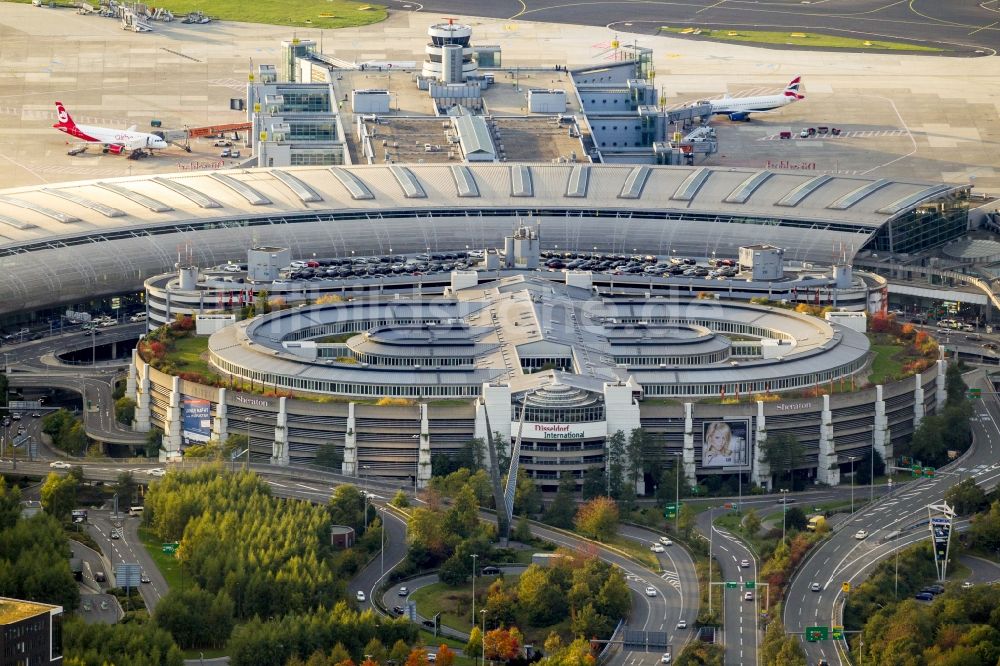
pixel 114 140
pixel 740 108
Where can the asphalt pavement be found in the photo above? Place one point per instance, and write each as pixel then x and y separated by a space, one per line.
pixel 740 617
pixel 969 27
pixel 844 558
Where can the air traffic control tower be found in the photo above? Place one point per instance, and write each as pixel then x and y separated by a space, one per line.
pixel 449 53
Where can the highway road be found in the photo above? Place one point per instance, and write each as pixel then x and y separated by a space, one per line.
pixel 740 626
pixel 843 558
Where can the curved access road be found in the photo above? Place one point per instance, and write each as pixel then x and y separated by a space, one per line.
pixel 845 558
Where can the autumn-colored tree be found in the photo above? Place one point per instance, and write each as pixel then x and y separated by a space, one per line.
pixel 400 651
pixel 328 299
pixel 417 657
pixel 369 662
pixel 445 656
pixel 501 644
pixel 598 518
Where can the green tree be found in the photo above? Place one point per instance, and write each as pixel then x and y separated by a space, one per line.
pixel 795 518
pixel 462 519
pixel 863 467
pixel 984 533
pixel 58 495
pixel 617 468
pixel 125 410
pixel 125 488
pixel 522 530
pixel 699 653
pixel 954 386
pixel 328 456
pixel 783 452
pixel 686 520
pixel 636 450
pixel 347 507
pixel 588 622
pixel 666 488
pixel 563 508
pixel 595 483
pixel 400 500
pixel 527 497
pixel 10 505
pixel 195 617
pixel 598 518
pixel 966 497
pixel 376 650
pixel 474 646
pixel 752 522
pixel 154 442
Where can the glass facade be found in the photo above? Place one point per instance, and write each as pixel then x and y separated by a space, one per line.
pixel 311 102
pixel 312 131
pixel 930 224
pixel 305 157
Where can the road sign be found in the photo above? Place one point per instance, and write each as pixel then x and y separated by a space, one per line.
pixel 670 510
pixel 750 584
pixel 837 633
pixel 929 472
pixel 975 393
pixel 116 303
pixel 128 575
pixel 170 548
pixel 15 405
pixel 814 634
pixel 845 587
pixel 731 585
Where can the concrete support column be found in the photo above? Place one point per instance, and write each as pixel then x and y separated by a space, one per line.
pixel 940 390
pixel 220 424
pixel 493 413
pixel 760 471
pixel 827 470
pixel 279 450
pixel 350 465
pixel 424 453
pixel 142 411
pixel 172 424
pixel 880 436
pixel 918 400
pixel 130 380
pixel 689 468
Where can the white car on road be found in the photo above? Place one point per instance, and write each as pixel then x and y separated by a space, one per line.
pixel 59 464
pixel 861 534
pixel 650 591
pixel 157 471
pixel 666 542
pixel 657 548
pixel 360 596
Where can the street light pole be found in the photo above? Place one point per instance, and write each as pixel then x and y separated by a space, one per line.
pixel 871 475
pixel 851 458
pixel 483 652
pixel 784 510
pixel 474 558
pixel 711 536
pixel 382 542
pixel 247 421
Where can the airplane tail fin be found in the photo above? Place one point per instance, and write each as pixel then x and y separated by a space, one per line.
pixel 65 120
pixel 792 89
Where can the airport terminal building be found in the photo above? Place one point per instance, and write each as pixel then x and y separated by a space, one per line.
pixel 436 359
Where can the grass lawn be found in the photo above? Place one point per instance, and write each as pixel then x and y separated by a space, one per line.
pixel 637 550
pixel 303 13
pixel 167 564
pixel 886 363
pixel 809 39
pixel 187 353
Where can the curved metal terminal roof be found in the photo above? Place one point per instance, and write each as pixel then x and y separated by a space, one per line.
pixel 102 236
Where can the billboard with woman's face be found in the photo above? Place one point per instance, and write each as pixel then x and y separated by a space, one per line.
pixel 725 443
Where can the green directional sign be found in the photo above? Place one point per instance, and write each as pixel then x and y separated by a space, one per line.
pixel 975 393
pixel 670 510
pixel 731 585
pixel 750 584
pixel 837 633
pixel 170 548
pixel 929 472
pixel 814 634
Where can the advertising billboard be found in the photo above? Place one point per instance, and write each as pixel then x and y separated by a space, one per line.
pixel 941 530
pixel 725 443
pixel 196 420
